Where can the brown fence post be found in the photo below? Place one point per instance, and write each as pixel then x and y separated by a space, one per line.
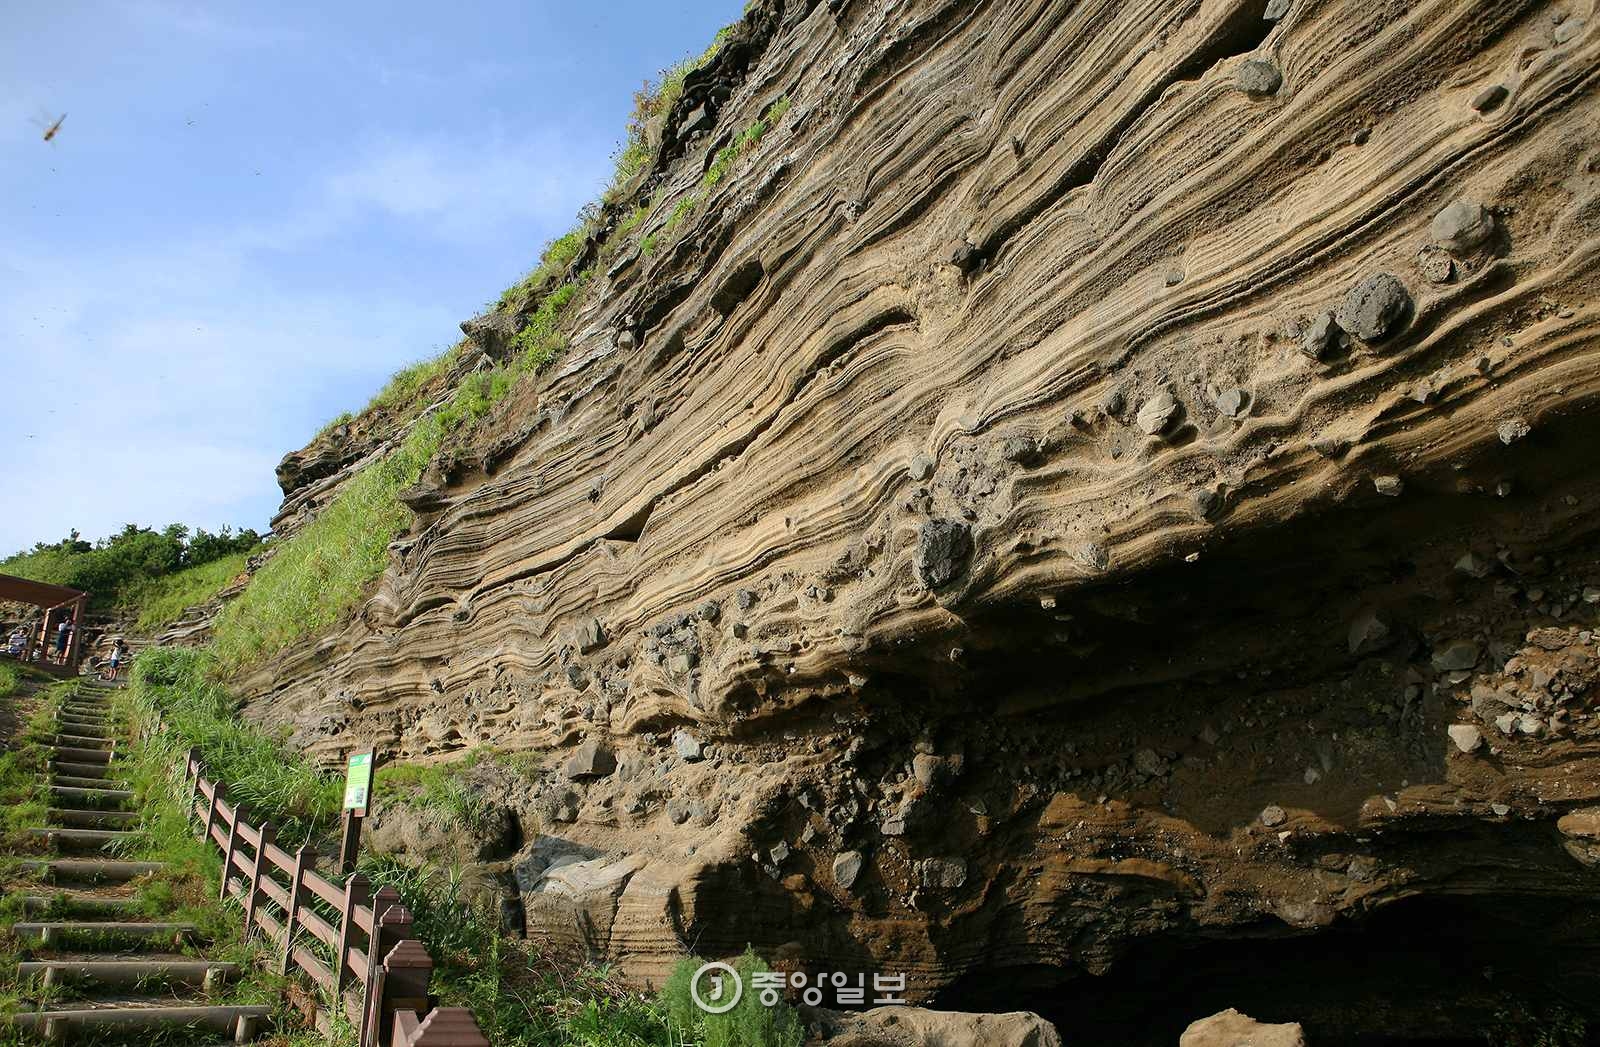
pixel 443 1027
pixel 192 766
pixel 254 893
pixel 218 792
pixel 369 1006
pixel 355 893
pixel 227 854
pixel 406 972
pixel 302 862
pixel 378 943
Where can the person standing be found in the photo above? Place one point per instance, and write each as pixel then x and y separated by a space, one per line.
pixel 63 635
pixel 119 656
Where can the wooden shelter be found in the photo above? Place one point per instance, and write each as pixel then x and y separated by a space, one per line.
pixel 59 604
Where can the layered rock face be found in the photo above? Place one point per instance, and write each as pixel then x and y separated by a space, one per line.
pixel 1097 483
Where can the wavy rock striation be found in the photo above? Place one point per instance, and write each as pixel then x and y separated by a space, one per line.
pixel 1041 516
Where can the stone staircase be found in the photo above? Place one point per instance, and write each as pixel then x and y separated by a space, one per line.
pixel 91 959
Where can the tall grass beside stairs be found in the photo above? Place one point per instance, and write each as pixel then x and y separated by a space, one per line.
pixel 177 685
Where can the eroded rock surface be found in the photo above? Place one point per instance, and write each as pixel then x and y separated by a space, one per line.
pixel 901 457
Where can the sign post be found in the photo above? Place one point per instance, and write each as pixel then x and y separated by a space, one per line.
pixel 357 797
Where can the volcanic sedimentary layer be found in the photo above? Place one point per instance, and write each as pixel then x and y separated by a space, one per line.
pixel 1094 478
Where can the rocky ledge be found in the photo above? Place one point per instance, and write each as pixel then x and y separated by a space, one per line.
pixel 1099 499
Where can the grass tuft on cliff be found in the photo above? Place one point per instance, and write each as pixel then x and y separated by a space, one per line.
pixel 322 571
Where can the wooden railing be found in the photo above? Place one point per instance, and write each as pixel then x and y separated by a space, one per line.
pixel 373 967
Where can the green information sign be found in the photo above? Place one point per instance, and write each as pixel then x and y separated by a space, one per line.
pixel 358 781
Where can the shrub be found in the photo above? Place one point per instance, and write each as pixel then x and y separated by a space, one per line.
pixel 749 1024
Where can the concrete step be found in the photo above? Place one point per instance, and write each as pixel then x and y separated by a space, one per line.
pixel 78 818
pixel 80 770
pixel 94 731
pixel 130 972
pixel 80 839
pixel 78 723
pixel 241 1022
pixel 83 741
pixel 50 932
pixel 72 754
pixel 90 870
pixel 91 796
pixel 34 904
pixel 103 784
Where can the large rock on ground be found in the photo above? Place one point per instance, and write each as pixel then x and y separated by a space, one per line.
pixel 1229 1028
pixel 917 1027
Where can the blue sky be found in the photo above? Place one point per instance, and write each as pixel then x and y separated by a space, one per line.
pixel 253 214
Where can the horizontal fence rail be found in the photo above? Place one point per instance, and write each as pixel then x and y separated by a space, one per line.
pixel 326 931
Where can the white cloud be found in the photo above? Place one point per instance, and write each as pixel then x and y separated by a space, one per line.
pixel 464 189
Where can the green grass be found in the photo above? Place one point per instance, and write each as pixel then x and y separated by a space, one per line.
pixel 275 783
pixel 443 789
pixel 631 221
pixel 9 679
pixel 652 102
pixel 542 339
pixel 747 141
pixel 403 387
pixel 184 891
pixel 721 166
pixel 553 262
pixel 164 600
pixel 521 999
pixel 321 572
pixel 748 1024
pixel 342 418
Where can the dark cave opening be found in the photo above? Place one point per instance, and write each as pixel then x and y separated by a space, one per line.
pixel 1440 971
